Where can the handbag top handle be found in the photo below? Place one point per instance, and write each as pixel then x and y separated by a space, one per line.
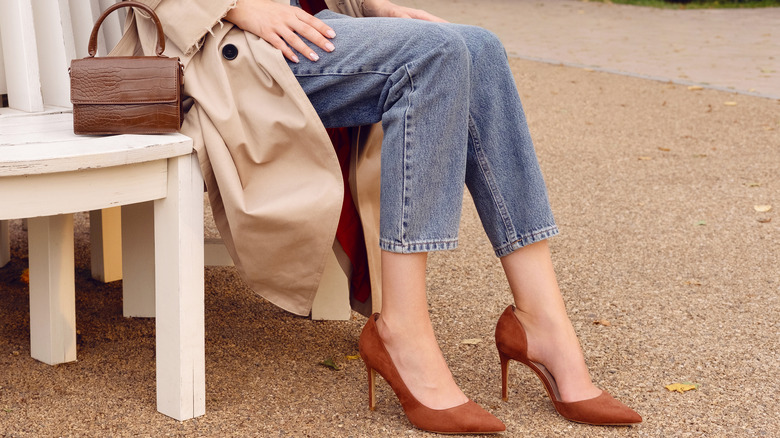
pixel 92 48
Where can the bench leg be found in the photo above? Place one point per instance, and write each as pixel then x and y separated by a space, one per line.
pixel 52 289
pixel 106 244
pixel 138 260
pixel 216 254
pixel 332 299
pixel 178 235
pixel 5 244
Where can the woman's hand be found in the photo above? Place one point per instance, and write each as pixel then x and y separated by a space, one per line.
pixel 282 26
pixel 385 8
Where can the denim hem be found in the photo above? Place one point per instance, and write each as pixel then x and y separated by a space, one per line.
pixel 408 248
pixel 536 236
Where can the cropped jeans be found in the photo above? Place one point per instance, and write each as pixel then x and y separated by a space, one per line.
pixel 451 115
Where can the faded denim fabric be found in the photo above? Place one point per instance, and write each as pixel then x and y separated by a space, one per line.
pixel 451 115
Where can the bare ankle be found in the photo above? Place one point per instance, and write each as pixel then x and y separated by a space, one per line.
pixel 392 328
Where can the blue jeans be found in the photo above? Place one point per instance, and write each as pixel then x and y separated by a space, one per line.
pixel 451 114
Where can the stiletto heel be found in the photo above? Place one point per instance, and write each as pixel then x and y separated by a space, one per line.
pixel 371 396
pixel 468 418
pixel 504 374
pixel 512 343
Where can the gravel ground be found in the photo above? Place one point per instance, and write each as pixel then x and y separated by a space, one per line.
pixel 654 187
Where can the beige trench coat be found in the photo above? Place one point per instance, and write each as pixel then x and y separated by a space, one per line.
pixel 273 178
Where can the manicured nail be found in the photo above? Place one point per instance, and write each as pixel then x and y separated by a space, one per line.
pixel 330 33
pixel 314 57
pixel 330 47
pixel 295 59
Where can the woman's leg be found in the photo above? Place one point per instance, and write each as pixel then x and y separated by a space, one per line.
pixel 412 76
pixel 505 181
pixel 451 113
pixel 405 328
pixel 539 307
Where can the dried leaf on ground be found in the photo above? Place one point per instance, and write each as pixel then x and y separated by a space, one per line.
pixel 645 158
pixel 682 387
pixel 25 277
pixel 471 341
pixel 695 87
pixel 664 149
pixel 762 208
pixel 693 282
pixel 603 322
pixel 331 364
pixel 765 220
pixel 730 103
pixel 354 357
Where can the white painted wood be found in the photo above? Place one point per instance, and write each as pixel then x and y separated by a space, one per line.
pixel 112 27
pixel 178 222
pixel 47 109
pixel 20 55
pixel 47 172
pixel 5 243
pixel 138 287
pixel 52 292
pixel 54 38
pixel 332 299
pixel 105 241
pixel 3 86
pixel 46 144
pixel 86 190
pixel 216 254
pixel 83 15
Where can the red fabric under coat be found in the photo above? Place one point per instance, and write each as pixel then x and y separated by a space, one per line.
pixel 313 6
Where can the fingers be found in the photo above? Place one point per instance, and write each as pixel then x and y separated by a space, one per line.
pixel 291 33
pixel 283 26
pixel 315 31
pixel 322 29
pixel 293 40
pixel 419 14
pixel 277 41
pixel 386 8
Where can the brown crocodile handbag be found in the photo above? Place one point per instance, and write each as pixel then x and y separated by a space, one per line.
pixel 126 94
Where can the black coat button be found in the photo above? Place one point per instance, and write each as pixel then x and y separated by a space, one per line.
pixel 229 52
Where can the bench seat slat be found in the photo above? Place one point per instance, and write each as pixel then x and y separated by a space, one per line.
pixel 23 74
pixel 85 190
pixel 47 144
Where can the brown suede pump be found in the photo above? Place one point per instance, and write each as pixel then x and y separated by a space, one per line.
pixel 602 410
pixel 468 418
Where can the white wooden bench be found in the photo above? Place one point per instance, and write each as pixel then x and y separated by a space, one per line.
pixel 47 173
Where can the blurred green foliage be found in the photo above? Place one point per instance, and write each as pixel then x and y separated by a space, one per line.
pixel 699 4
